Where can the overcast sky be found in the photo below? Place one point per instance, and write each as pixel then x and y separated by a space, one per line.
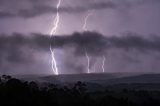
pixel 124 31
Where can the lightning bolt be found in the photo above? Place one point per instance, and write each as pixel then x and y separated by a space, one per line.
pixel 103 63
pixel 90 13
pixel 88 61
pixel 52 33
pixel 85 29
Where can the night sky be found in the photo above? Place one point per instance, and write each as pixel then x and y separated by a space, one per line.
pixel 125 32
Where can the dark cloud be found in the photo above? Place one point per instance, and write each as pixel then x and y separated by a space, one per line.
pixel 95 43
pixel 5 14
pixel 41 9
pixel 12 48
pixel 134 41
pixel 23 49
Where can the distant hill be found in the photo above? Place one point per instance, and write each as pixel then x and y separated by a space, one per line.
pixel 101 81
pixel 100 78
pixel 145 78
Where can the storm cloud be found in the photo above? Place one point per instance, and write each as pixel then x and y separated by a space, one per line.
pixel 39 7
pixel 96 44
pixel 24 50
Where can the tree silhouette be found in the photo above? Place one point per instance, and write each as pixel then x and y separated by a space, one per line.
pixel 14 92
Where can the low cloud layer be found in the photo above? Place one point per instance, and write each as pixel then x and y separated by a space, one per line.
pixel 95 43
pixel 18 50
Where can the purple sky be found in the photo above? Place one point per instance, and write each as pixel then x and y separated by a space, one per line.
pixel 110 18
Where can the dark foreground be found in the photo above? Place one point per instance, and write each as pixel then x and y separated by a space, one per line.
pixel 14 92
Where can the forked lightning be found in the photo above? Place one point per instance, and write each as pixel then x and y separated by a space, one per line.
pixel 85 29
pixel 88 62
pixel 103 63
pixel 52 33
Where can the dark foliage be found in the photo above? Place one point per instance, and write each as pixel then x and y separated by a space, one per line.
pixel 14 92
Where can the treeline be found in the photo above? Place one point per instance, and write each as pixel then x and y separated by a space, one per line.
pixel 14 92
